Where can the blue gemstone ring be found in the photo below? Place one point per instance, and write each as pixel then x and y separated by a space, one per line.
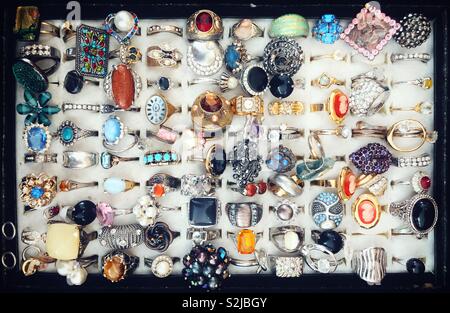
pixel 113 131
pixel 236 56
pixel 327 29
pixel 160 158
pixel 68 133
pixel 37 138
pixel 163 83
pixel 327 210
pixel 281 159
pixel 108 160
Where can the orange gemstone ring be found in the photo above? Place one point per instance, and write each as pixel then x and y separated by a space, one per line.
pixel 211 112
pixel 245 240
pixel 117 264
pixel 336 105
pixel 160 184
pixel 367 211
pixel 345 183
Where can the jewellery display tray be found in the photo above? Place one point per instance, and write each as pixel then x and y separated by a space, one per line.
pixel 434 247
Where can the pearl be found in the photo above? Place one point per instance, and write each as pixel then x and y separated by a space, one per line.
pixel 232 83
pixel 123 21
pixel 64 267
pixel 163 268
pixel 77 277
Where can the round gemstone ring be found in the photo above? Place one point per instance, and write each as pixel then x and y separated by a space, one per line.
pixel 367 211
pixel 37 138
pixel 163 83
pixel 161 266
pixel 204 25
pixel 158 109
pixel 255 80
pixel 420 182
pixel 346 183
pixel 68 133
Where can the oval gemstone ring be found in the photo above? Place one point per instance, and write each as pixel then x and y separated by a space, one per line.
pixel 158 109
pixel 68 133
pixel 113 130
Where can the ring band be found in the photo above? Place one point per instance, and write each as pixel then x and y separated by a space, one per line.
pixel 422 57
pixel 79 159
pixel 278 107
pixel 40 158
pixel 199 235
pixel 285 186
pixel 370 264
pixel 50 29
pixel 98 108
pixel 164 134
pixel 69 185
pixel 155 29
pixel 5 264
pixel 244 214
pixel 326 81
pixel 41 54
pixel 337 55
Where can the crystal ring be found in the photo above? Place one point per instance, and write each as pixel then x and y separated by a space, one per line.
pixel 163 56
pixel 241 105
pixel 113 131
pixel 286 210
pixel 158 110
pixel 281 86
pixel 236 56
pixel 123 85
pixel 423 82
pixel 340 131
pixel 97 108
pixel 281 159
pixel 46 58
pixel 423 107
pixel 327 210
pixel 285 266
pixel 283 132
pixel 37 138
pixel 204 25
pixel 278 107
pixel 414 31
pixel 160 184
pixel 68 133
pixel 337 106
pixel 246 162
pixel 199 185
pixel 244 214
pixel 245 240
pixel 199 236
pixel 79 159
pixel 246 29
pixel 283 56
pixel 250 189
pixel 159 236
pixel 376 184
pixel 420 182
pixel 287 239
pixel 345 183
pixel 116 265
pixel 327 29
pixel 163 83
pixel 326 81
pixel 156 29
pixel 226 82
pixel 83 213
pixel 370 264
pixel 283 185
pixel 164 134
pixel 205 58
pixel 422 57
pixel 161 266
pixel 325 264
pixel 128 54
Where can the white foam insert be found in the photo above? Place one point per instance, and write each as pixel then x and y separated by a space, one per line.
pixel 403 95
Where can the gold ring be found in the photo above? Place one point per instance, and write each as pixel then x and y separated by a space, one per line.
pixel 336 105
pixel 204 25
pixel 247 105
pixel 278 107
pixel 211 111
pixel 326 81
pixel 367 211
pixel 346 183
pixel 336 55
pixel 163 56
pixel 407 129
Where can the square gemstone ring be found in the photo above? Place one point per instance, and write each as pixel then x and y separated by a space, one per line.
pixel 204 211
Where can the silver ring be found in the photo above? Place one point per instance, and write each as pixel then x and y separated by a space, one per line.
pixel 315 146
pixel 422 57
pixel 286 210
pixel 40 158
pixel 98 108
pixel 370 264
pixel 284 132
pixel 284 186
pixel 156 29
pixel 283 56
pixel 25 256
pixel 200 235
pixel 412 161
pixel 38 53
pixel 420 182
pixel 288 238
pixel 163 83
pixel 226 82
pixel 327 210
pixel 79 159
pixel 321 265
pixel 244 214
pixel 199 185
pixel 255 87
pixel 423 82
pixel 5 262
pixel 69 133
pixel 122 236
pixel 161 266
pixel 113 130
pixel 205 58
pixel 13 229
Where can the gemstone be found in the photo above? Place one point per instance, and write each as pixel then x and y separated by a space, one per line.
pixel 250 190
pixel 289 25
pixel 367 212
pixel 425 182
pixel 246 241
pixel 64 185
pixel 114 185
pixel 105 160
pixel 29 77
pixel 37 192
pixel 203 211
pixel 257 79
pixel 73 82
pixel 123 89
pixel 67 134
pixel 204 21
pixel 232 57
pixel 218 161
pixel 164 83
pixel 281 86
pixel 37 139
pixel 262 187
pixel 158 190
pixel 114 269
pixel 291 240
pixel 84 212
pixel 349 184
pixel 27 23
pixel 112 130
pixel 427 83
pixel 415 266
pixel 308 170
pixel 339 101
pixel 92 51
pixel 331 240
pixel 63 241
pixel 423 214
pixel 211 103
pixel 221 253
pixel 285 212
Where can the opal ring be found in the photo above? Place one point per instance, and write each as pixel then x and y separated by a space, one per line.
pixel 423 82
pixel 158 110
pixel 46 58
pixel 79 159
pixel 123 85
pixel 336 55
pixel 423 107
pixel 420 213
pixel 289 25
pixel 245 240
pixel 254 80
pixel 116 265
pixel 163 56
pixel 113 130
pixel 422 57
pixel 161 266
pixel 156 29
pixel 40 158
pixel 38 191
pixel 241 105
pixel 74 82
pixel 226 82
pixel 164 134
pixel 200 236
pixel 122 22
pixel 370 264
pixel 337 105
pixel 326 81
pixel 204 25
pixel 287 239
pixel 281 159
pixel 345 183
pixel 160 184
pixel 159 236
pixel 420 182
pixel 327 210
pixel 283 56
pixel 108 160
pixel 163 83
pixel 286 210
pixel 205 58
pixel 199 185
pixel 249 190
pixel 246 29
pixel 244 214
pixel 327 264
pixel 115 185
pixel 161 158
pixel 68 133
pixel 327 29
pixel 283 132
pixel 121 236
pixel 69 185
pixel 278 107
pixel 211 112
pixel 97 108
pixel 283 185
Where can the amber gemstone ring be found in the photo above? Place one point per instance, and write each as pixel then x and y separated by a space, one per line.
pixel 245 240
pixel 367 211
pixel 345 183
pixel 336 105
pixel 211 111
pixel 117 264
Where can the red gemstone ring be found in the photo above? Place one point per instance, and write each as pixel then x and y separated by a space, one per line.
pixel 336 105
pixel 420 182
pixel 204 25
pixel 250 189
pixel 346 183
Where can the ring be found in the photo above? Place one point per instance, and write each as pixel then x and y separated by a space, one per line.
pixel 327 210
pixel 75 270
pixel 236 56
pixel 245 240
pixel 159 236
pixel 246 162
pixel 69 133
pixel 254 80
pixel 106 213
pixel 116 265
pixel 423 82
pixel 71 54
pixel 321 265
pixel 283 56
pixel 37 138
pixel 83 213
pixel 422 57
pixel 158 110
pixel 336 55
pixel 420 182
pixel 370 264
pixel 13 230
pixel 164 134
pixel 163 56
pixel 161 266
pixel 79 159
pixel 241 105
pixel 245 29
pixel 40 158
pixel 156 29
pixel 289 25
pixel 345 183
pixel 366 103
pixel 336 105
pixel 160 184
pixel 250 189
pixel 205 58
pixel 27 23
pixel 244 214
pixel 163 83
pixel 326 81
pixel 115 185
pixel 5 264
pixel 420 213
pixel 30 76
pixel 123 85
pixel 367 211
pixel 204 25
pixel 287 239
pixel 37 191
pixel 216 160
pixel 286 210
pixel 69 185
pixel 98 108
pixel 278 107
pixel 340 131
pixel 160 158
pixel 200 236
pixel 423 107
pixel 199 185
pixel 414 31
pixel 48 56
pixel 310 169
pixel 376 184
pixel 108 160
pixel 211 111
pixel 283 132
pixel 329 239
pixel 74 82
pixel 67 31
pixel 121 237
pixel 282 86
pixel 113 130
pixel 285 267
pixel 415 266
pixel 204 211
pixel 327 29
pixel 123 22
pixel 420 161
pixel 226 82
pixel 281 159
pixel 283 185
pixel 128 54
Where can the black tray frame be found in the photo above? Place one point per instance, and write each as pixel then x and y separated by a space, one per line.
pixel 437 281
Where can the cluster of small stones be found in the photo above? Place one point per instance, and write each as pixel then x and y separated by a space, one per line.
pixel 36 50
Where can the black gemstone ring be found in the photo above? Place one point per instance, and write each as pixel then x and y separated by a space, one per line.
pixel 255 80
pixel 74 82
pixel 159 236
pixel 163 83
